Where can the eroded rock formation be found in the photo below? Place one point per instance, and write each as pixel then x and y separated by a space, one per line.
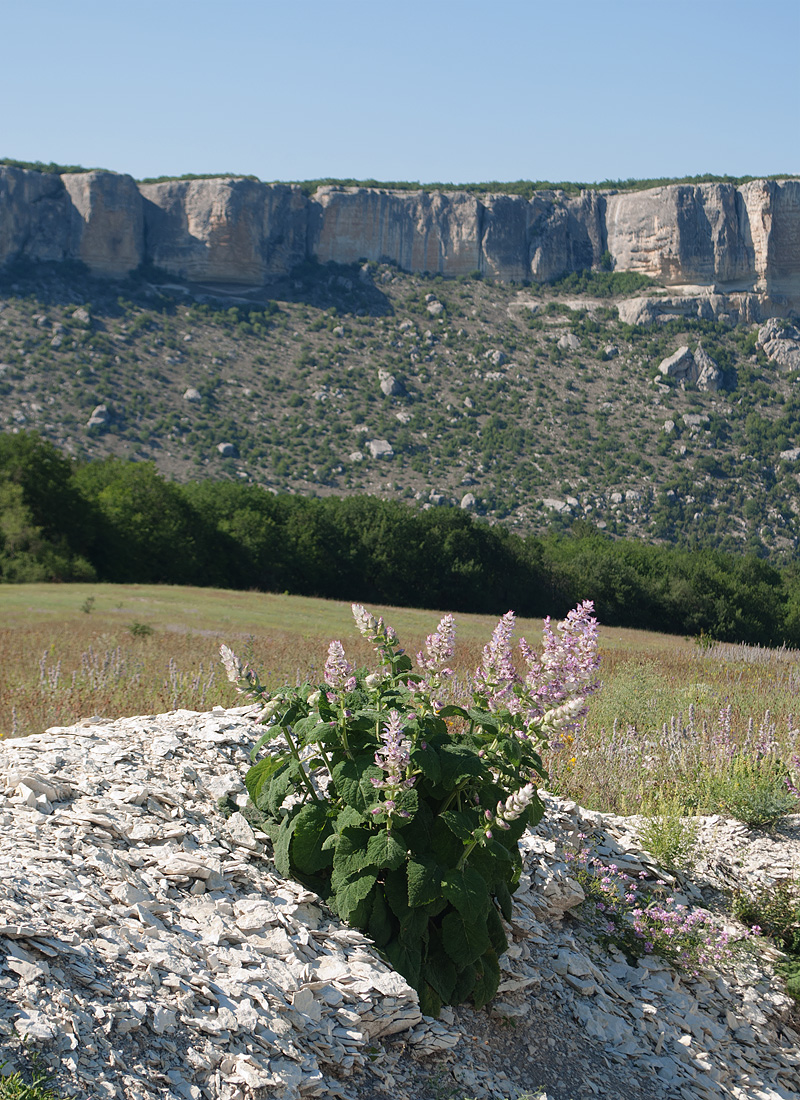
pixel 716 236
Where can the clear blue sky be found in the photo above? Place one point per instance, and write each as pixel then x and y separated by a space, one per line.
pixel 429 90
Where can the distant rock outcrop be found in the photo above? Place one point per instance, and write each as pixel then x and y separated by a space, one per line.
pixel 723 239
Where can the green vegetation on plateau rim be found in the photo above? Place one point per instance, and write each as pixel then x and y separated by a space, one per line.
pixel 526 188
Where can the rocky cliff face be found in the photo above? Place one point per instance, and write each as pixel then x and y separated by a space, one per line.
pixel 241 231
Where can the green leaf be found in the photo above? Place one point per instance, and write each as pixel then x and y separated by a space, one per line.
pixel 452 712
pixel 308 730
pixel 352 895
pixel 396 890
pixel 407 800
pixel 427 760
pixel 280 848
pixel 487 979
pixel 465 983
pixel 351 855
pixel 466 890
pixel 458 763
pixel 350 817
pixel 403 664
pixel 384 850
pixel 497 934
pixel 269 734
pixel 280 785
pixel 440 970
pixel 430 1003
pixel 406 958
pixel 311 828
pixel 380 926
pixel 464 941
pixel 503 895
pixel 459 824
pixel 424 881
pixel 446 847
pixel 347 776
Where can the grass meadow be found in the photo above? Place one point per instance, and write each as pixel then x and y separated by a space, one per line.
pixel 670 716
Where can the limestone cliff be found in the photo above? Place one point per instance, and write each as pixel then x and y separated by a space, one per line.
pixel 225 230
pixel 715 235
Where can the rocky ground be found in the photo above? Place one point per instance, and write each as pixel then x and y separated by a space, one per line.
pixel 148 949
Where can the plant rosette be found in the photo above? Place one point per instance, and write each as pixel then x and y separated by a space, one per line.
pixel 404 812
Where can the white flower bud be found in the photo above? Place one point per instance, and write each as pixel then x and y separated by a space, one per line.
pixel 314 698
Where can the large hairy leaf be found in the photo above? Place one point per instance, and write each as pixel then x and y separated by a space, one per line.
pixel 352 897
pixel 487 978
pixel 384 850
pixel 464 941
pixel 466 890
pixel 311 827
pixel 424 881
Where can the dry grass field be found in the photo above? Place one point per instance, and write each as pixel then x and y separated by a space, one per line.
pixel 669 709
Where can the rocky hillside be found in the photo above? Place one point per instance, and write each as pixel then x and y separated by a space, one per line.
pixel 670 417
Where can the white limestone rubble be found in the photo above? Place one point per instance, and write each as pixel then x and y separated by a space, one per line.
pixel 149 949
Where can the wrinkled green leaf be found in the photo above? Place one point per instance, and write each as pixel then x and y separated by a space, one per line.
pixel 384 849
pixel 503 895
pixel 427 760
pixel 280 785
pixel 352 895
pixel 497 934
pixel 452 711
pixel 350 855
pixel 430 1003
pixel 467 892
pixel 459 824
pixel 464 941
pixel 406 958
pixel 280 848
pixel 380 922
pixel 351 781
pixel 458 763
pixel 487 978
pixel 440 970
pixel 311 828
pixel 424 881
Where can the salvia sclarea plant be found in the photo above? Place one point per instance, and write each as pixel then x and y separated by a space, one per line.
pixel 404 812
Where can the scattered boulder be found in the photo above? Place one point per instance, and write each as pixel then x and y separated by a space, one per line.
pixel 569 342
pixel 436 309
pixel 390 386
pixel 100 417
pixel 791 455
pixel 468 502
pixel 439 500
pixel 82 316
pixel 781 343
pixel 709 376
pixel 380 448
pixel 610 351
pixel 695 420
pixel 669 426
pixel 697 367
pixel 677 365
pixel 356 456
pixel 496 357
pixel 228 450
pixel 192 394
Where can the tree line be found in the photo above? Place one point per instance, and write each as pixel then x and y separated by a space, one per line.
pixel 121 521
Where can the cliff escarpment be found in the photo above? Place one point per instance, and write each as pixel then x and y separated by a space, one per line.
pixel 232 230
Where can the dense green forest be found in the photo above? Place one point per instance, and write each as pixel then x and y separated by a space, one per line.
pixel 122 521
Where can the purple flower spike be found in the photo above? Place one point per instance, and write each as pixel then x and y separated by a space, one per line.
pixel 338 670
